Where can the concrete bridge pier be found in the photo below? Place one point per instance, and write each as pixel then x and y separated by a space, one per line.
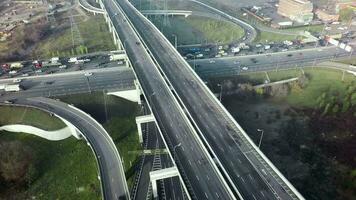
pixel 115 37
pixel 141 120
pixel 131 95
pixel 159 175
pixel 110 26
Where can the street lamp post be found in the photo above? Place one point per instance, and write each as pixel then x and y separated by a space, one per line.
pixel 262 131
pixel 221 87
pixel 150 97
pixel 174 149
pixel 194 62
pixel 175 40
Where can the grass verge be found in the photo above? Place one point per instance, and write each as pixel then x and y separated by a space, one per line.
pixel 266 37
pixel 320 80
pixel 194 29
pixel 29 116
pixel 95 35
pixel 66 169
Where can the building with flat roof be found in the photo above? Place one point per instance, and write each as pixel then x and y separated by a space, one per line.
pixel 300 11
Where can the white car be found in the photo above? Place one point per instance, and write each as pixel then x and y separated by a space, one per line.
pixel 88 74
pixel 17 80
pixel 62 67
pixel 13 72
pixel 245 68
pixel 211 61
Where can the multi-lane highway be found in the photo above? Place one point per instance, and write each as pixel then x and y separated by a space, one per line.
pixel 228 66
pixel 116 79
pixel 196 167
pixel 112 174
pixel 236 155
pixel 122 78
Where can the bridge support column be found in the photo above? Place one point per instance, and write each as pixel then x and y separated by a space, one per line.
pixel 110 26
pixel 106 18
pixel 141 120
pixel 159 175
pixel 114 37
pixel 138 90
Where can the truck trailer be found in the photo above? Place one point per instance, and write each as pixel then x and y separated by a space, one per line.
pixel 12 88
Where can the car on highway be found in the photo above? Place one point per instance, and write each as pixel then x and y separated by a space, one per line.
pixel 88 74
pixel 254 60
pixel 236 62
pixel 49 82
pixel 211 61
pixel 245 68
pixel 290 55
pixel 17 80
pixel 62 67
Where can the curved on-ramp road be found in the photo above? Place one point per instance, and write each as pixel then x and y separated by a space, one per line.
pixel 112 174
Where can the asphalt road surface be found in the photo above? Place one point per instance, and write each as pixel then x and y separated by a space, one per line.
pixel 112 174
pixel 110 79
pixel 265 62
pixel 171 120
pixel 222 136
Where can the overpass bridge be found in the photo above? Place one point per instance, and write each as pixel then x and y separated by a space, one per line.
pixel 88 7
pixel 184 13
pixel 176 129
pixel 200 124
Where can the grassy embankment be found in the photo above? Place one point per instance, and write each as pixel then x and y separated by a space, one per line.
pixel 64 169
pixel 194 30
pixel 95 35
pixel 29 116
pixel 41 39
pixel 320 81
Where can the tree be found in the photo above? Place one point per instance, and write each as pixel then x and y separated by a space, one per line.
pixel 327 108
pixel 335 108
pixel 31 174
pixel 345 106
pixel 346 14
pixel 353 99
pixel 14 160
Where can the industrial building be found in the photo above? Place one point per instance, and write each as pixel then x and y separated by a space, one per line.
pixel 300 11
